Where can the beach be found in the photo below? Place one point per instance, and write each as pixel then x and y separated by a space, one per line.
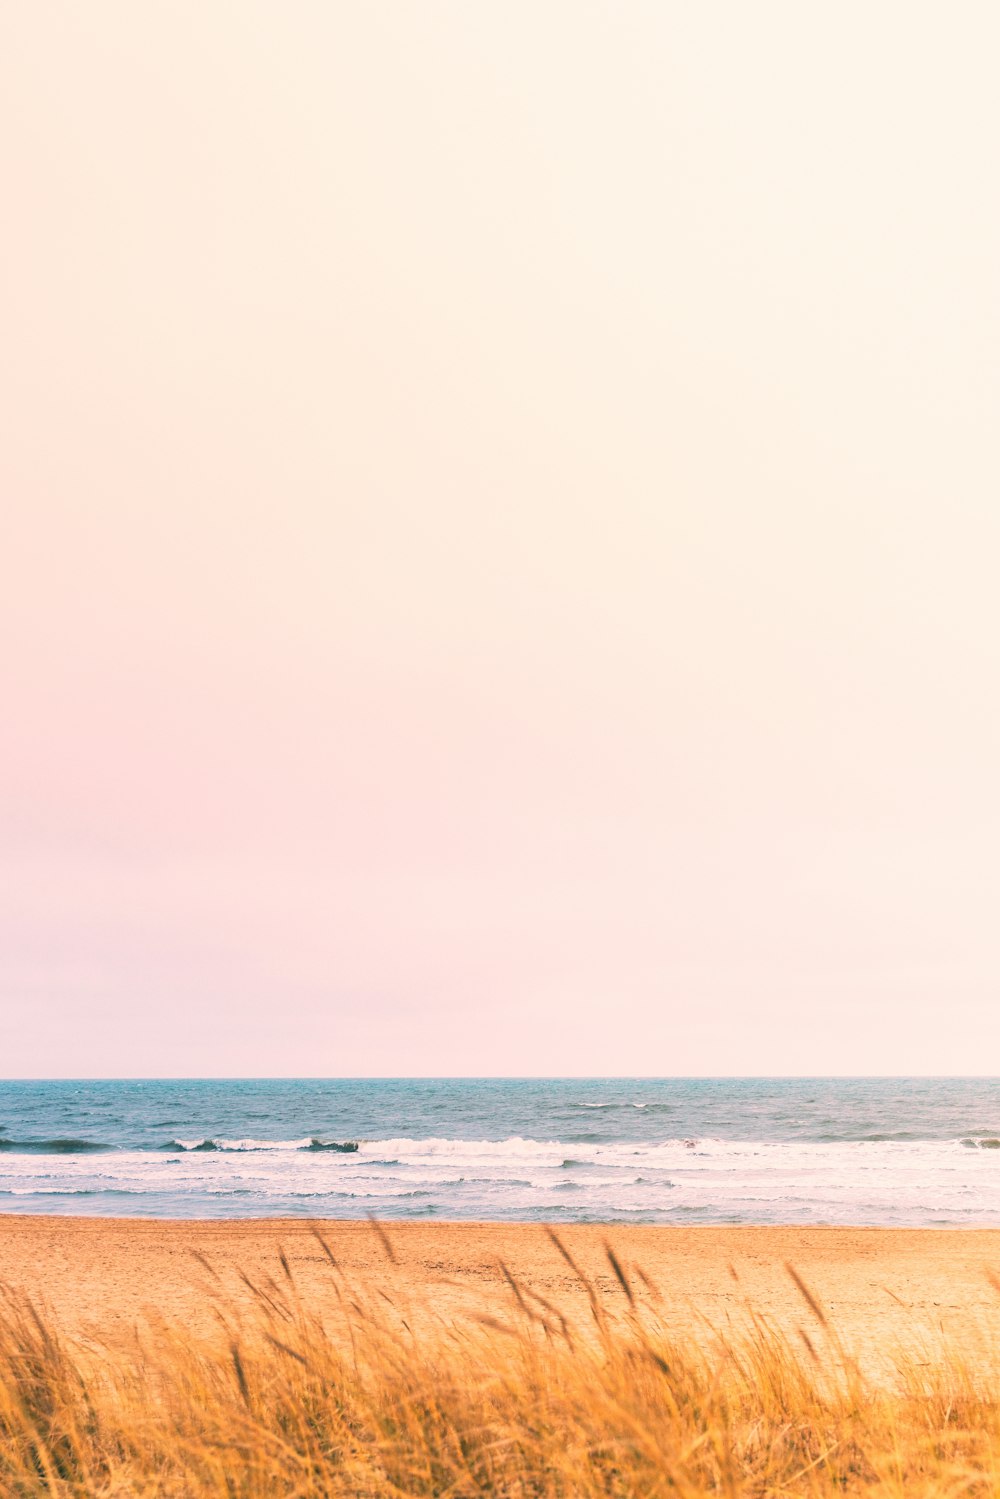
pixel 881 1289
pixel 188 1358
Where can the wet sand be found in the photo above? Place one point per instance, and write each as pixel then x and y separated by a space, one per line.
pixel 881 1288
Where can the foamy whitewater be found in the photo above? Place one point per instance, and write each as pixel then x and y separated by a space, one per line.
pixel 919 1151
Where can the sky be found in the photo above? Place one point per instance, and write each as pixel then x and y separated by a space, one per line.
pixel 499 522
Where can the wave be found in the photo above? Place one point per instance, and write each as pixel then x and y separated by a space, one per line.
pixel 861 1137
pixel 656 1105
pixel 574 1149
pixel 61 1145
pixel 568 1154
pixel 309 1142
pixel 33 1191
pixel 705 1178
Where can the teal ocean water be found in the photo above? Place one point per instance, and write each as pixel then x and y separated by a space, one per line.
pixel 916 1151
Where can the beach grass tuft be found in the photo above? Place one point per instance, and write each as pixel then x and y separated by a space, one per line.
pixel 376 1397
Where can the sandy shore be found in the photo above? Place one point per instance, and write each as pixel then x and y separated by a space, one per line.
pixel 882 1288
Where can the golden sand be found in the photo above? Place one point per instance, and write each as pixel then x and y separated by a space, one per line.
pixel 881 1288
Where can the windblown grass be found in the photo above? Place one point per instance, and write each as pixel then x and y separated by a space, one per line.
pixel 281 1404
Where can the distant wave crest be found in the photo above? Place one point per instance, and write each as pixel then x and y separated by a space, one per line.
pixel 61 1145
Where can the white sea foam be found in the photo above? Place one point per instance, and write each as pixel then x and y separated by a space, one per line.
pixel 514 1148
pixel 674 1179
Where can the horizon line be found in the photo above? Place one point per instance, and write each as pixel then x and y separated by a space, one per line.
pixel 485 1077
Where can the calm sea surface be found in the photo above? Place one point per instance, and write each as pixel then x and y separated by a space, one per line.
pixel 919 1151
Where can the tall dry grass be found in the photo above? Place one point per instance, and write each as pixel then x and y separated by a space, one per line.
pixel 281 1404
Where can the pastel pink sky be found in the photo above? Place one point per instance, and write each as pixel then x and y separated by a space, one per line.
pixel 500 538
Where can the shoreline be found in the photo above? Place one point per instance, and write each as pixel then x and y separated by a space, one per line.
pixel 881 1288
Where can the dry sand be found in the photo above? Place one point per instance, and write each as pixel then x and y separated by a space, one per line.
pixel 882 1288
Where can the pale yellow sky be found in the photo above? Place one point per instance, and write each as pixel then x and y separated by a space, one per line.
pixel 500 523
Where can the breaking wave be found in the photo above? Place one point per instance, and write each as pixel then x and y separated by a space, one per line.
pixel 310 1142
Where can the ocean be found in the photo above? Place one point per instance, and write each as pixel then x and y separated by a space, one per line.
pixel 879 1151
